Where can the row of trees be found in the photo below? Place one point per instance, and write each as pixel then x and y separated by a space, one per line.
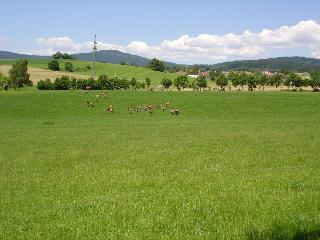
pixel 258 79
pixel 240 79
pixel 182 82
pixel 55 66
pixel 102 83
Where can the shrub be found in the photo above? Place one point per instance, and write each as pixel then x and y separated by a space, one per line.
pixel 73 83
pixel 62 83
pixel 68 66
pixel 54 65
pixel 133 83
pixel 104 82
pixel 140 85
pixel 148 82
pixel 45 85
pixel 124 83
pixel 4 80
pixel 166 82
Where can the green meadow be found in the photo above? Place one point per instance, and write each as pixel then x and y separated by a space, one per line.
pixel 111 70
pixel 231 165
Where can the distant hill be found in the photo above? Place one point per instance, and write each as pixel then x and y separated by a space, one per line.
pixel 105 56
pixel 115 57
pixel 11 55
pixel 296 64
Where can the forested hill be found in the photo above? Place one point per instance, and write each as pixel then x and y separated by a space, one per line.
pixel 296 64
pixel 11 55
pixel 114 56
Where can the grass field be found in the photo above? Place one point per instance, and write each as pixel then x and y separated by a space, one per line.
pixel 234 165
pixel 111 70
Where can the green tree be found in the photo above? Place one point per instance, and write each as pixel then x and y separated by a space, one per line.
pixel 295 80
pixel 276 80
pixel 234 78
pixel 252 81
pixel 54 65
pixel 167 83
pixel 202 82
pixel 57 55
pixel 314 81
pixel 68 66
pixel 243 79
pixel 260 79
pixel 181 82
pixel 194 84
pixel 157 65
pixel 148 82
pixel 222 82
pixel 19 75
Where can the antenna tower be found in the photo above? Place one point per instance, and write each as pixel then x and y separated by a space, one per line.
pixel 94 56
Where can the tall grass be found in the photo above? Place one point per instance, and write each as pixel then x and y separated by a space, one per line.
pixel 230 166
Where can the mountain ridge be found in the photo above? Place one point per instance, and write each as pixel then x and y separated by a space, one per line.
pixel 296 63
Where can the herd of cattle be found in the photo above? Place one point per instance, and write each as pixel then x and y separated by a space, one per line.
pixel 135 108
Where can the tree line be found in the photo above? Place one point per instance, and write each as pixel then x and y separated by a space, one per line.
pixel 257 79
pixel 102 83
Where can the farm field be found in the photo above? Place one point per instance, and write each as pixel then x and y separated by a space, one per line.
pixel 37 74
pixel 111 70
pixel 231 165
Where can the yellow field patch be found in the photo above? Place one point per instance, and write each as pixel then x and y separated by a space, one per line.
pixel 37 74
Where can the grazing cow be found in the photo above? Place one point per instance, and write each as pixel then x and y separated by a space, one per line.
pixel 130 109
pixel 109 109
pixel 174 111
pixel 89 103
pixel 88 87
pixel 138 108
pixel 167 104
pixel 97 97
pixel 150 108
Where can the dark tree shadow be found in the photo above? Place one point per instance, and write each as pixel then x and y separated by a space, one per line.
pixel 283 232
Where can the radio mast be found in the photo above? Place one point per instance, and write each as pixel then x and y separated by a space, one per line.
pixel 94 56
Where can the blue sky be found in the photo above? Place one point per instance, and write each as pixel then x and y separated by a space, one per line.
pixel 196 31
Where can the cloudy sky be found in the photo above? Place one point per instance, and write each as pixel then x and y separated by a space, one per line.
pixel 181 31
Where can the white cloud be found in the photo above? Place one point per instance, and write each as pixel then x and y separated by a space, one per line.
pixel 305 34
pixel 41 52
pixel 61 43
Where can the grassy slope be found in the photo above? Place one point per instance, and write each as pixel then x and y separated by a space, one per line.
pixel 104 68
pixel 230 163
